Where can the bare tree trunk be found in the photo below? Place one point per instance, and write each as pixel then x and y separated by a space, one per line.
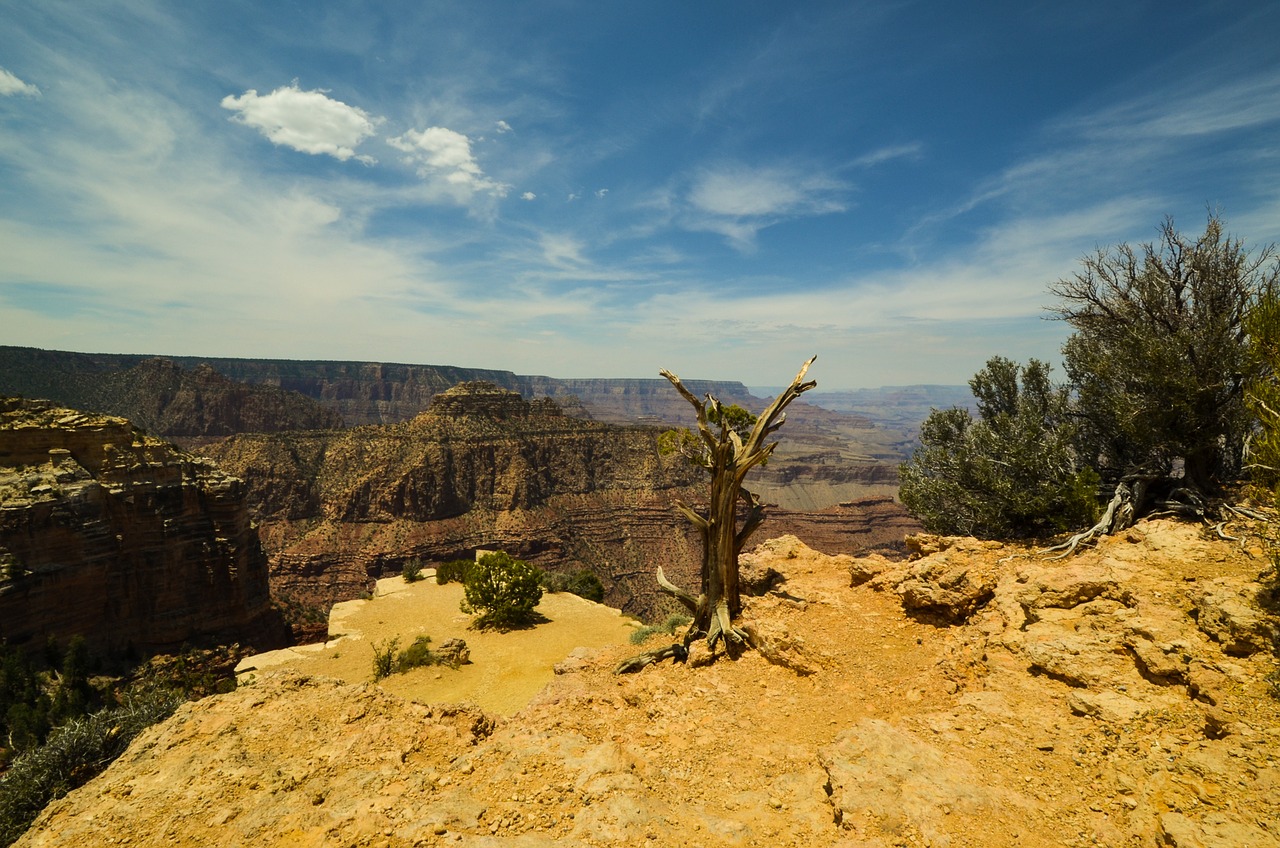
pixel 727 458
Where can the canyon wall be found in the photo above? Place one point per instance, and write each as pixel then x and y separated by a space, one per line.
pixel 116 536
pixel 485 469
pixel 159 395
pixel 826 458
pixel 355 392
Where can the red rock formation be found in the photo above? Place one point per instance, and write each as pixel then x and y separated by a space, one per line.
pixel 116 536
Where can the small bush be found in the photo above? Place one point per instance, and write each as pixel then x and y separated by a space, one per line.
pixel 412 570
pixel 503 590
pixel 384 658
pixel 553 582
pixel 583 583
pixel 669 626
pixel 454 571
pixel 387 661
pixel 416 655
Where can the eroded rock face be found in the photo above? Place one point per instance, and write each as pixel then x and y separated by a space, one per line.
pixel 1227 611
pixel 485 469
pixel 113 535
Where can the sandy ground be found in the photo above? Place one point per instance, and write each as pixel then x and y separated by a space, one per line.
pixel 506 669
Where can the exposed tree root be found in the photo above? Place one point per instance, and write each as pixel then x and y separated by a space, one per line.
pixel 631 665
pixel 1120 514
pixel 1126 506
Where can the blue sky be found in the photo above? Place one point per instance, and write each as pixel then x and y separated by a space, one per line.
pixel 606 189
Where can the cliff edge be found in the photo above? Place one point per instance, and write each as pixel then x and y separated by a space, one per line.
pixel 116 536
pixel 978 695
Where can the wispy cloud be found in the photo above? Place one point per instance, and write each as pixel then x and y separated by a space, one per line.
pixel 888 154
pixel 306 121
pixel 10 86
pixel 738 201
pixel 1196 108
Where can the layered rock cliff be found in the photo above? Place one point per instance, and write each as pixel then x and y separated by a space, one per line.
pixel 114 535
pixel 357 393
pixel 159 395
pixel 827 457
pixel 485 469
pixel 482 469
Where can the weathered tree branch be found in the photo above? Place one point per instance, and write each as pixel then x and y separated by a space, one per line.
pixel 728 456
pixel 676 592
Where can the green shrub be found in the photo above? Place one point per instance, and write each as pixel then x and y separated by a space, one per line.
pixel 584 583
pixel 503 590
pixel 553 582
pixel 669 626
pixel 384 658
pixel 416 655
pixel 412 570
pixel 454 571
pixel 1262 396
pixel 1012 472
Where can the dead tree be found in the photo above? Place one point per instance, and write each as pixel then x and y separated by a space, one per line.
pixel 727 456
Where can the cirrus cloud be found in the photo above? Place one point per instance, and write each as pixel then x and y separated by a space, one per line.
pixel 307 121
pixel 10 85
pixel 737 201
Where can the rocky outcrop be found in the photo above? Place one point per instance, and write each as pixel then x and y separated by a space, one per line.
pixel 862 725
pixel 116 536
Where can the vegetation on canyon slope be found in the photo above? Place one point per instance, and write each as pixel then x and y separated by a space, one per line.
pixel 63 724
pixel 1171 372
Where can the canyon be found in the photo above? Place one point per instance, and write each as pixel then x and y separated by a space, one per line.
pixel 826 457
pixel 352 469
pixel 485 469
pixel 119 537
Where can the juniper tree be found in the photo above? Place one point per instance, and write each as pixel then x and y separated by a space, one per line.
pixel 1262 394
pixel 1010 472
pixel 1159 362
pixel 728 446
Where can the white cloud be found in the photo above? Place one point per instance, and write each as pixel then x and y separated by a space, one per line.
pixel 503 127
pixel 307 121
pixel 887 154
pixel 528 195
pixel 602 192
pixel 562 251
pixel 738 202
pixel 1197 109
pixel 11 85
pixel 445 155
